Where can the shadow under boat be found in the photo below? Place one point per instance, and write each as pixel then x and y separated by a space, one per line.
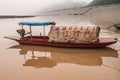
pixel 87 57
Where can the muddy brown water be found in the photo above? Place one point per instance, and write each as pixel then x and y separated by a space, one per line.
pixel 23 62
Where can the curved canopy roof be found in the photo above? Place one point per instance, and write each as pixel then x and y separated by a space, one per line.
pixel 34 23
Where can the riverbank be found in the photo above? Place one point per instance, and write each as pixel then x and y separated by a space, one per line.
pixel 104 16
pixel 14 16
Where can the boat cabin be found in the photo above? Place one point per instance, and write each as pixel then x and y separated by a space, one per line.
pixel 72 34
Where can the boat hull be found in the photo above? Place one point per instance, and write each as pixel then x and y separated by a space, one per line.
pixel 44 41
pixel 117 26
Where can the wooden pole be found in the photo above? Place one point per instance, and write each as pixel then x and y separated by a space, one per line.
pixel 44 30
pixel 30 33
pixel 22 26
pixel 22 34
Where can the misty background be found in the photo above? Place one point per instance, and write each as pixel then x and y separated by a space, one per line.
pixel 28 7
pixel 35 7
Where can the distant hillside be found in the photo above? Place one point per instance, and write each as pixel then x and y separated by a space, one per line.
pixel 103 2
pixel 65 5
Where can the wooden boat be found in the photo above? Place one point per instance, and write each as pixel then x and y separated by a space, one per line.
pixel 117 26
pixel 44 40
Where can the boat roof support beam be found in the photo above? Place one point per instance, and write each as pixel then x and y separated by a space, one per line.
pixel 43 30
pixel 31 33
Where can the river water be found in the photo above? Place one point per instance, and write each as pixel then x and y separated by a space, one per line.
pixel 23 62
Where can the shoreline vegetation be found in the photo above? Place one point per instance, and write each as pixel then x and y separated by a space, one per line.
pixel 103 2
pixel 14 16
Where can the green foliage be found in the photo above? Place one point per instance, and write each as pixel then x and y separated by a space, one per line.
pixel 103 2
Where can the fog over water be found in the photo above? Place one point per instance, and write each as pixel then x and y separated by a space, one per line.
pixel 17 7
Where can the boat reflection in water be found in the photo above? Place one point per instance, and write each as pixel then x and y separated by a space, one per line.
pixel 41 57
